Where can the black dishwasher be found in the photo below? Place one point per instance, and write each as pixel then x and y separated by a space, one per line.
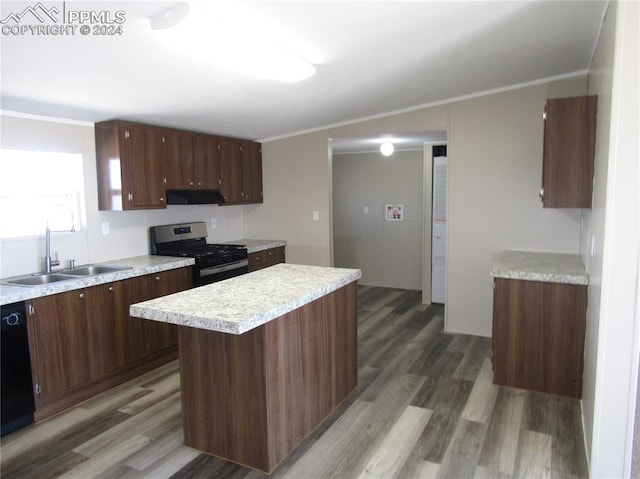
pixel 17 387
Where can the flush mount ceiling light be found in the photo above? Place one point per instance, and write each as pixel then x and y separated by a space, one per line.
pixel 386 148
pixel 241 40
pixel 170 17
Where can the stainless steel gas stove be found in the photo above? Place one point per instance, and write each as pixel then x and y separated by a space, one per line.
pixel 214 262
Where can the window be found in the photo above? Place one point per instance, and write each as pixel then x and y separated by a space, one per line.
pixel 39 188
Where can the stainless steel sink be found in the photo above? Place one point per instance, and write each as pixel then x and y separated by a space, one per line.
pixel 40 279
pixel 92 270
pixel 64 275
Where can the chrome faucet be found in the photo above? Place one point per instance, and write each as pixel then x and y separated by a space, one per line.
pixel 48 262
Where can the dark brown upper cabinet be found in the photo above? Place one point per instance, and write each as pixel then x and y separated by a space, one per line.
pixel 240 171
pixel 230 170
pixel 191 161
pixel 251 153
pixel 130 161
pixel 206 162
pixel 138 163
pixel 178 160
pixel 569 148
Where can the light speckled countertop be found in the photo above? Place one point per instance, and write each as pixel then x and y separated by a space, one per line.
pixel 545 267
pixel 240 304
pixel 255 245
pixel 140 265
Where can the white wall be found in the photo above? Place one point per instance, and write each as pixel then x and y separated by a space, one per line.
pixel 296 182
pixel 129 230
pixel 495 169
pixel 389 253
pixel 600 83
pixel 613 227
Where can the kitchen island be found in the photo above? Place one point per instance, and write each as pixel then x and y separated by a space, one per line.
pixel 264 358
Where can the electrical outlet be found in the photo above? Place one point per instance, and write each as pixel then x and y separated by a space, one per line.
pixel 214 223
pixel 316 216
pixel 105 228
pixel 366 210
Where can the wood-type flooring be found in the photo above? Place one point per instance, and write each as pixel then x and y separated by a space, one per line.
pixel 425 407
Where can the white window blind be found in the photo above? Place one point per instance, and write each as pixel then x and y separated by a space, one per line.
pixel 40 187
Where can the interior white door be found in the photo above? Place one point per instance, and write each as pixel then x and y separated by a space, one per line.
pixel 439 231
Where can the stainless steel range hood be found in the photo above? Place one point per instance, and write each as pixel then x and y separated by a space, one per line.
pixel 194 197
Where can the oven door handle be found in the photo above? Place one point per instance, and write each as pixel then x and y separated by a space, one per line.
pixel 223 268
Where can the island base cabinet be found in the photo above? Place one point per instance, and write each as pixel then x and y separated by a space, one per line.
pixel 538 335
pixel 252 398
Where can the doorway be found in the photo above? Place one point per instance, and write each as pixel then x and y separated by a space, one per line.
pixel 382 208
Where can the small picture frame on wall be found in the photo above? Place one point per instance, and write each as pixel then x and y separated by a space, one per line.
pixel 394 212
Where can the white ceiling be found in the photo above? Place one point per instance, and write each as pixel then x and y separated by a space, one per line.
pixel 371 58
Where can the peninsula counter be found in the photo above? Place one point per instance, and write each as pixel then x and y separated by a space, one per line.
pixel 539 321
pixel 264 358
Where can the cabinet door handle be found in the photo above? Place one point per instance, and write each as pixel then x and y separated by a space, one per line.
pixel 110 288
pixel 81 295
pixel 191 183
pixel 162 198
pixel 157 278
pixel 541 194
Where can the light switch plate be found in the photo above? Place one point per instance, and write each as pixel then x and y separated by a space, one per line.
pixel 316 216
pixel 105 228
pixel 214 223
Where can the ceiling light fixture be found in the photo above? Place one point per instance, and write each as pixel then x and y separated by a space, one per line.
pixel 170 17
pixel 386 148
pixel 242 41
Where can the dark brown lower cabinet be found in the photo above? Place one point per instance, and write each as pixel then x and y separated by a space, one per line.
pixel 265 258
pixel 83 342
pixel 67 328
pixel 538 335
pixel 161 336
pixel 129 344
